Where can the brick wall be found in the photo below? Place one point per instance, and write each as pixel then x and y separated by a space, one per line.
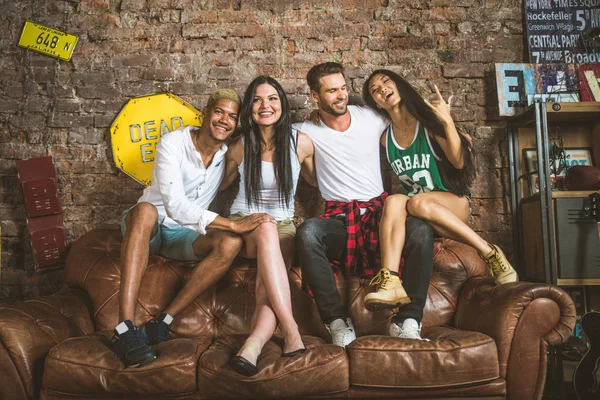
pixel 135 47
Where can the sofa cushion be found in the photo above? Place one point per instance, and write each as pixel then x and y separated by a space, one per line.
pixel 322 369
pixel 226 308
pixel 84 365
pixel 451 358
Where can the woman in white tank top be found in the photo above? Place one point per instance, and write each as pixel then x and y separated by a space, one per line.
pixel 268 160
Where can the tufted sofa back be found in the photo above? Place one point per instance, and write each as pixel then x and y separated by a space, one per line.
pixel 227 307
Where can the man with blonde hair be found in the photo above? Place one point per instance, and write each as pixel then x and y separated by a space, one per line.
pixel 172 219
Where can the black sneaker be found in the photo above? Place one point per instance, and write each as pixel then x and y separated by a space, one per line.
pixel 157 329
pixel 129 344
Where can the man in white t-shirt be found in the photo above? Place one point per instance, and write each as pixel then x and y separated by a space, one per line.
pixel 346 140
pixel 172 219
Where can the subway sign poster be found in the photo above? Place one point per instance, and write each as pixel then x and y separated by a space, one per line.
pixel 140 124
pixel 562 31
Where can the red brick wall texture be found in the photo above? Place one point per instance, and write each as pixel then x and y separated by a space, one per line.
pixel 131 48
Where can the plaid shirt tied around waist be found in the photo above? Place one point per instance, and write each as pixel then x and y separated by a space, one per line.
pixel 363 233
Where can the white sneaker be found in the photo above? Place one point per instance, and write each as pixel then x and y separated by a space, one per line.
pixel 409 329
pixel 342 332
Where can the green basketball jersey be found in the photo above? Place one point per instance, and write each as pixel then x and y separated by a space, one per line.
pixel 417 165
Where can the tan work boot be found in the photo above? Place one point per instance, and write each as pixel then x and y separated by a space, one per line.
pixel 389 294
pixel 500 268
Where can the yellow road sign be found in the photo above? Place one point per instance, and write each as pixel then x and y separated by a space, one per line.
pixel 47 40
pixel 140 124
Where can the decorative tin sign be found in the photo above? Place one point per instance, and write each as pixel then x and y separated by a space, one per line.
pixel 558 31
pixel 140 124
pixel 48 41
pixel 520 85
pixel 45 219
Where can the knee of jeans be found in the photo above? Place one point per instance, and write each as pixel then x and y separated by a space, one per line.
pixel 418 230
pixel 308 233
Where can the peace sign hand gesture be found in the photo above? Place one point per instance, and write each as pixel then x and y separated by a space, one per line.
pixel 441 108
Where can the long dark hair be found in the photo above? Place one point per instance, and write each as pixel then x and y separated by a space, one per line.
pixel 254 139
pixel 458 181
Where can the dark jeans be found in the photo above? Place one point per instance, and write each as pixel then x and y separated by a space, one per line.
pixel 320 240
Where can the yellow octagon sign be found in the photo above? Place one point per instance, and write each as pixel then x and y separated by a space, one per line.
pixel 140 124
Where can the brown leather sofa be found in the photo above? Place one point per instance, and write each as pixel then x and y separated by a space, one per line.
pixel 485 341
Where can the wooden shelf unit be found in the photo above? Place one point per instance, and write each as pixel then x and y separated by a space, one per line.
pixel 534 216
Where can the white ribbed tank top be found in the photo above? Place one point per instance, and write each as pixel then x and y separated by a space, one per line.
pixel 268 190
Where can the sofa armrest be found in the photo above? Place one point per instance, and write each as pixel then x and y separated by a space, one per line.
pixel 524 319
pixel 28 330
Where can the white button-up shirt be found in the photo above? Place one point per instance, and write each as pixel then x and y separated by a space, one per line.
pixel 182 187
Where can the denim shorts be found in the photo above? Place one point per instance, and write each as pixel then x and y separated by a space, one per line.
pixel 174 243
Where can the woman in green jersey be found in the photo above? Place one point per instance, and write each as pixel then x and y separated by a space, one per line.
pixel 435 167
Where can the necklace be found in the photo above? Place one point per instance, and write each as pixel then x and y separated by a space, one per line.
pixel 404 130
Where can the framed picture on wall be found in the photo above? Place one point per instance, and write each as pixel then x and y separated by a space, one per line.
pixel 573 156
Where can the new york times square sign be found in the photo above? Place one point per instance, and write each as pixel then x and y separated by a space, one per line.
pixel 557 29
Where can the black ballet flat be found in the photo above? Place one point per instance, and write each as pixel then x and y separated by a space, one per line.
pixel 243 366
pixel 294 353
